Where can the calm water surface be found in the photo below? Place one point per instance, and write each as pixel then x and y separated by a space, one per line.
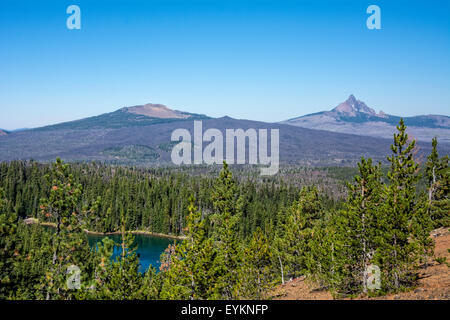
pixel 149 248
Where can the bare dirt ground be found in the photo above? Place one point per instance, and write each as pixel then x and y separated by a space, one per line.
pixel 434 280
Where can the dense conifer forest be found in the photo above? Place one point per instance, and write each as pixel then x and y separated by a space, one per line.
pixel 157 200
pixel 242 233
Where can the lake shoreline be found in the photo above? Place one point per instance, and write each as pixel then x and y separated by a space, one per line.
pixel 137 232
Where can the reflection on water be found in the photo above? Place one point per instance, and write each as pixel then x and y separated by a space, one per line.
pixel 149 248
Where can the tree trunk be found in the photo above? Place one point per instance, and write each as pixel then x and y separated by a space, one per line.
pixel 281 267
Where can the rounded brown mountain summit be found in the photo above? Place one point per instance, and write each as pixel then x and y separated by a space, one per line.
pixel 156 111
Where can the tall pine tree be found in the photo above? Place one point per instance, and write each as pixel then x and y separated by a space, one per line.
pixel 398 250
pixel 227 205
pixel 192 270
pixel 295 232
pixel 357 230
pixel 70 246
pixel 438 178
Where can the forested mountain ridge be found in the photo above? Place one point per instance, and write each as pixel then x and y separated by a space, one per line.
pixel 142 115
pixel 130 136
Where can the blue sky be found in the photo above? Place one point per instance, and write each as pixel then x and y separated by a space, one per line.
pixel 262 60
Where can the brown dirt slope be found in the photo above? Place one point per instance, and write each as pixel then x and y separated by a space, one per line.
pixel 434 282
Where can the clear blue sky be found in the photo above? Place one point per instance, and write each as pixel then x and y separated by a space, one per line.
pixel 262 60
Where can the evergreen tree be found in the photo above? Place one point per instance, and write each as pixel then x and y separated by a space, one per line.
pixel 227 204
pixel 8 248
pixel 256 273
pixel 357 230
pixel 119 279
pixel 70 246
pixel 323 256
pixel 96 288
pixel 151 285
pixel 123 278
pixel 438 178
pixel 33 259
pixel 191 270
pixel 398 252
pixel 295 231
pixel 422 225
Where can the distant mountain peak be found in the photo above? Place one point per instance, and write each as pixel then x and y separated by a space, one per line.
pixel 355 117
pixel 156 111
pixel 351 107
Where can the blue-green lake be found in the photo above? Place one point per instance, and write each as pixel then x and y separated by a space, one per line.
pixel 149 248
